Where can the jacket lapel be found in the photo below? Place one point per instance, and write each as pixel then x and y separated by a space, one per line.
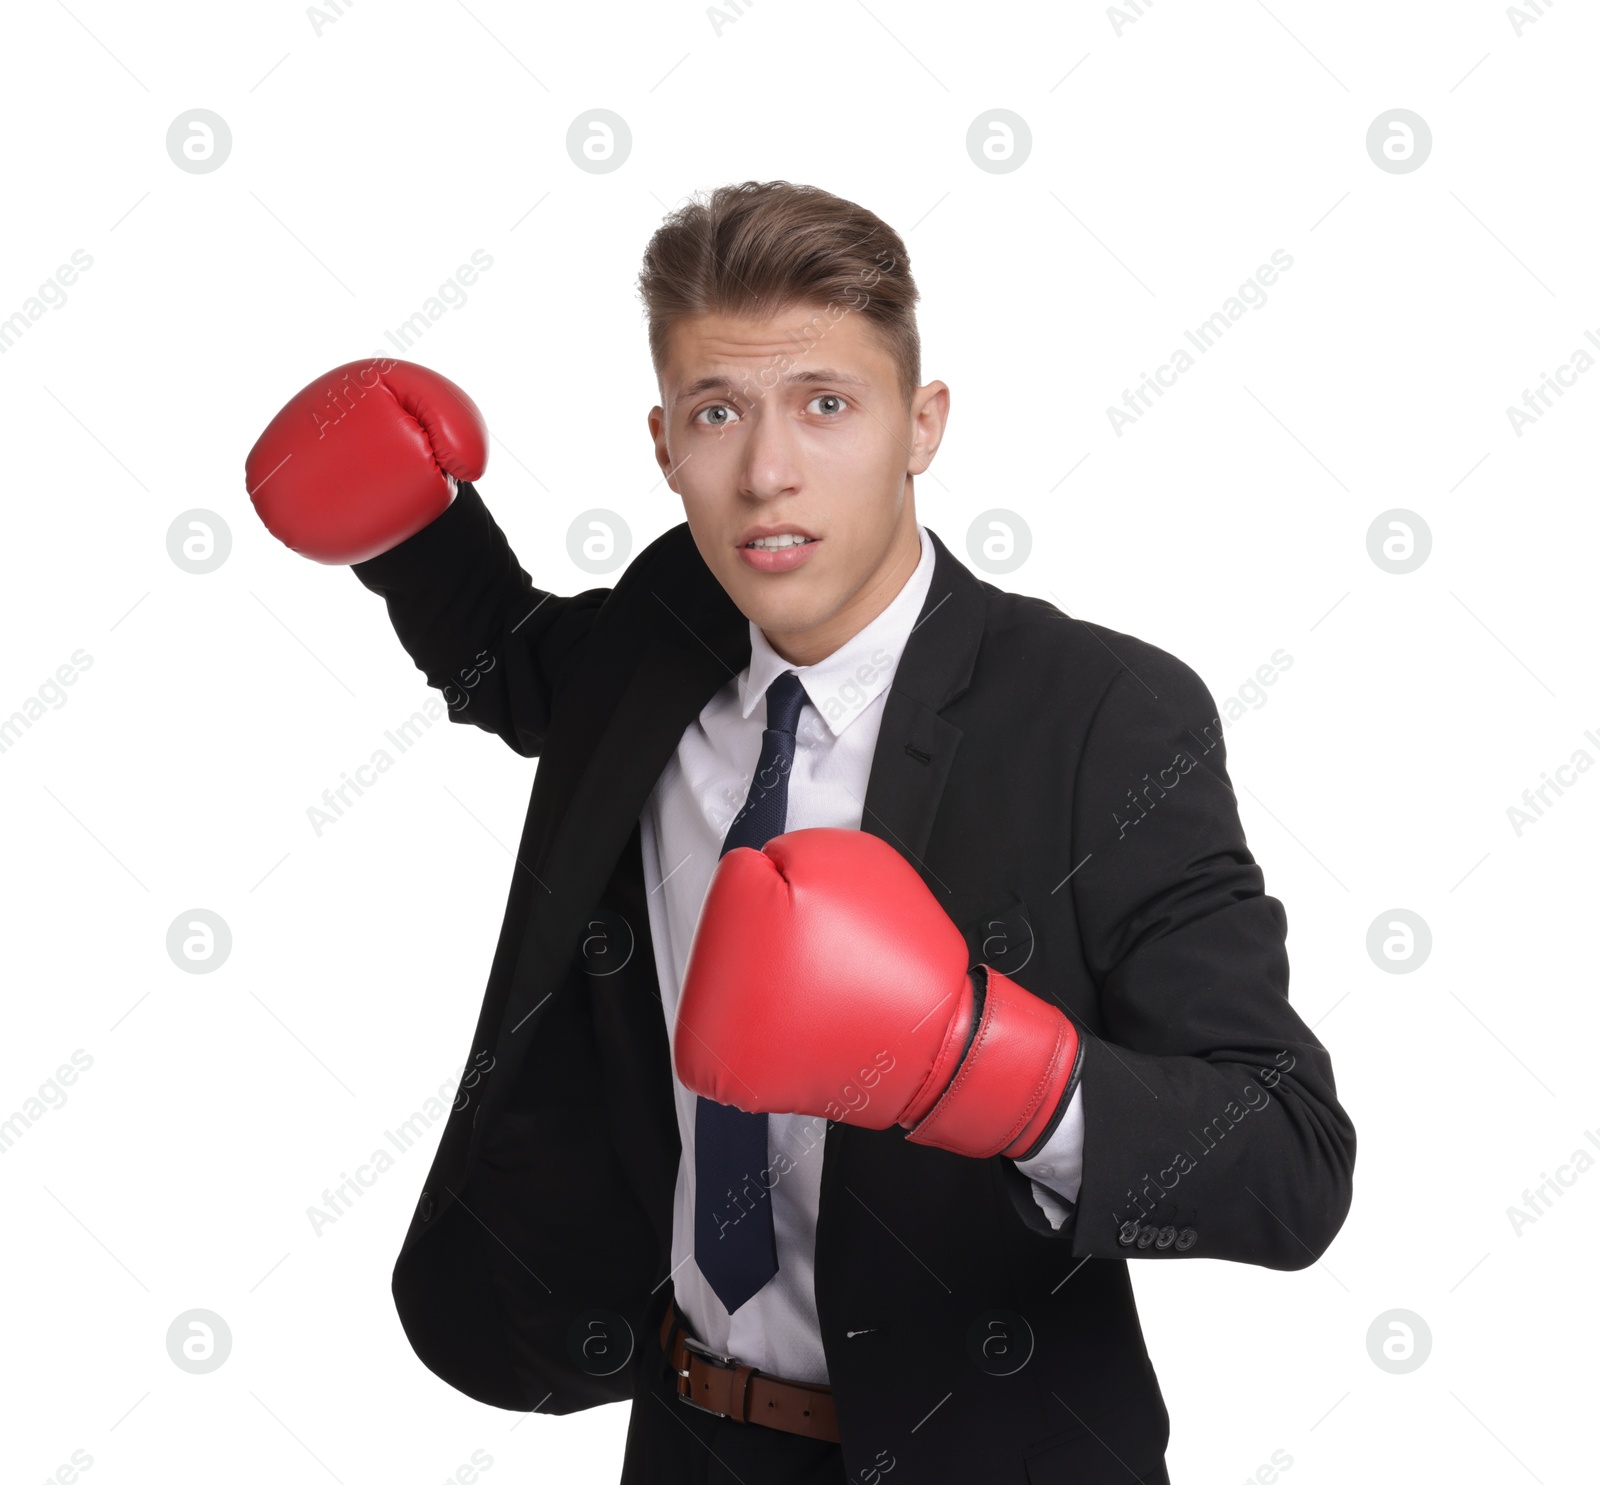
pixel 916 745
pixel 690 655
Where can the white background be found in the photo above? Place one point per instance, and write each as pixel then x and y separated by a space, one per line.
pixel 1171 155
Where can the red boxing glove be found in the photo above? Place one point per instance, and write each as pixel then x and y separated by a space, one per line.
pixel 824 978
pixel 364 457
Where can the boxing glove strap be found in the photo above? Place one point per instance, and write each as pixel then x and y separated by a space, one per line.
pixel 1021 1065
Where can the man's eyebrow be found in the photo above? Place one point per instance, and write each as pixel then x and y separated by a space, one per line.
pixel 794 379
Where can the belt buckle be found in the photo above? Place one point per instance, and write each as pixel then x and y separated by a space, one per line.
pixel 725 1362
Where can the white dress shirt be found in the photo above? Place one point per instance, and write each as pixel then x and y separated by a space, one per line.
pixel 682 828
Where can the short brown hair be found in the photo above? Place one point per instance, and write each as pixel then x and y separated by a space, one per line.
pixel 761 246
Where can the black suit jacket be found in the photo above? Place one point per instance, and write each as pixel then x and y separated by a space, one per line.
pixel 1060 787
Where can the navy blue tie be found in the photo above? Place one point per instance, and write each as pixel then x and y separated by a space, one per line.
pixel 734 1243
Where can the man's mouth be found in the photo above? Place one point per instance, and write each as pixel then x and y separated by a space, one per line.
pixel 778 543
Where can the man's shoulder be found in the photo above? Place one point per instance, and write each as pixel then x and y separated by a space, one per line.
pixel 665 586
pixel 669 570
pixel 1057 649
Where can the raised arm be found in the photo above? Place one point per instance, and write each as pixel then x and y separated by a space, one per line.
pixel 370 466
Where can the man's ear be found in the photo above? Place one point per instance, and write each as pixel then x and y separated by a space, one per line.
pixel 656 420
pixel 930 411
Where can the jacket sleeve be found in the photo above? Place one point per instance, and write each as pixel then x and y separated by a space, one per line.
pixel 492 644
pixel 1212 1128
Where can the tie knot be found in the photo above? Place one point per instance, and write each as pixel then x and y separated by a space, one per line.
pixel 785 697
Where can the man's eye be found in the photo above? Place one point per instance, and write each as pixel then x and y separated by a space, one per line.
pixel 707 416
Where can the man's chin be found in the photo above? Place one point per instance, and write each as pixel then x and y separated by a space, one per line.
pixel 777 618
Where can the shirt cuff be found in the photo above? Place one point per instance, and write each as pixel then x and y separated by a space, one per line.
pixel 1056 1172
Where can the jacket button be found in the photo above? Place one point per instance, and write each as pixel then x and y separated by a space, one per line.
pixel 1147 1235
pixel 1186 1239
pixel 1127 1233
pixel 425 1206
pixel 1165 1236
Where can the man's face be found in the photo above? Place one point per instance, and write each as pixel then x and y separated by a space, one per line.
pixel 797 423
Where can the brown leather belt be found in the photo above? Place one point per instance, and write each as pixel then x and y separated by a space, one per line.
pixel 727 1387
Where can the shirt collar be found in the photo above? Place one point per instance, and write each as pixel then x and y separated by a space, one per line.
pixel 845 683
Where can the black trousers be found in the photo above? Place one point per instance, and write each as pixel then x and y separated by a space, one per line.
pixel 671 1443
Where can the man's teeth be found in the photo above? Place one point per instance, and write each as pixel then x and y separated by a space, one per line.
pixel 777 543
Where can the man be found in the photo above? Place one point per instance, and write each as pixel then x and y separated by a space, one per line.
pixel 884 965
